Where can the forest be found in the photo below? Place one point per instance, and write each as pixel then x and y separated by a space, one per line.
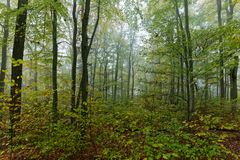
pixel 119 79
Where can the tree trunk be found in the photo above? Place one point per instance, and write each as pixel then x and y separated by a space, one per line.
pixel 122 85
pixel 233 86
pixel 36 75
pixel 233 69
pixel 94 73
pixel 172 84
pixel 105 80
pixel 221 74
pixel 130 64
pixel 182 77
pixel 129 75
pixel 54 66
pixel 74 58
pixel 100 86
pixel 116 75
pixel 206 95
pixel 112 79
pixel 133 79
pixel 16 77
pixel 85 50
pixel 186 56
pixel 4 56
pixel 190 59
pixel 4 51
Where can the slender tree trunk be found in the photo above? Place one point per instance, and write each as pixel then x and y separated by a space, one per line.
pixel 133 79
pixel 181 61
pixel 100 78
pixel 182 77
pixel 186 57
pixel 221 74
pixel 54 66
pixel 122 91
pixel 190 59
pixel 94 72
pixel 129 75
pixel 112 78
pixel 105 80
pixel 4 56
pixel 116 75
pixel 74 58
pixel 36 75
pixel 130 65
pixel 16 77
pixel 206 95
pixel 4 51
pixel 172 85
pixel 233 69
pixel 85 50
pixel 233 84
pixel 226 84
pixel 79 96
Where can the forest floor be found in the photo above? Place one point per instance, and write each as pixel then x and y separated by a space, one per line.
pixel 134 133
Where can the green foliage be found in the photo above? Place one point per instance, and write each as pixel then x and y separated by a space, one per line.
pixel 60 138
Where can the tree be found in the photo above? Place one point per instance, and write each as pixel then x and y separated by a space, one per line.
pixel 234 68
pixel 74 57
pixel 17 65
pixel 130 61
pixel 4 50
pixel 54 64
pixel 116 73
pixel 4 54
pixel 221 62
pixel 189 58
pixel 85 50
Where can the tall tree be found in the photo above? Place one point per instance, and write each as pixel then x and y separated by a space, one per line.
pixel 185 53
pixel 4 50
pixel 4 55
pixel 116 73
pixel 74 57
pixel 54 65
pixel 234 68
pixel 17 65
pixel 189 57
pixel 85 50
pixel 132 34
pixel 133 78
pixel 221 62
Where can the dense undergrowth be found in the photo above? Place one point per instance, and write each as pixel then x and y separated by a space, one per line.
pixel 125 131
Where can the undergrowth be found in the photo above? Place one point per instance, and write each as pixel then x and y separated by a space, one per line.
pixel 123 131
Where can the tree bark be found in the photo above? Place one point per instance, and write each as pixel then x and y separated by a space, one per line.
pixel 133 79
pixel 233 84
pixel 17 56
pixel 116 75
pixel 130 64
pixel 54 66
pixel 4 50
pixel 94 72
pixel 185 57
pixel 221 62
pixel 85 50
pixel 4 55
pixel 74 58
pixel 105 80
pixel 190 59
pixel 233 69
pixel 122 85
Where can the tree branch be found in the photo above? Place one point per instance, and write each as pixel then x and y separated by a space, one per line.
pixel 95 27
